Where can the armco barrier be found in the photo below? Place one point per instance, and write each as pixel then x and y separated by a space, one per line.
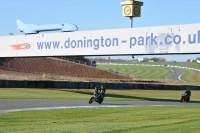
pixel 89 85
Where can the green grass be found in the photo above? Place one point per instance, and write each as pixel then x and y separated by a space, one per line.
pixel 173 119
pixel 179 119
pixel 192 77
pixel 146 72
pixel 193 64
pixel 31 93
pixel 85 94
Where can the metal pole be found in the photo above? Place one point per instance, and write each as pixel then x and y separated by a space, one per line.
pixel 131 22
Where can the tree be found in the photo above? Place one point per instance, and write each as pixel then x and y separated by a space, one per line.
pixel 146 59
pixel 198 58
pixel 162 60
pixel 79 58
pixel 155 59
pixel 188 60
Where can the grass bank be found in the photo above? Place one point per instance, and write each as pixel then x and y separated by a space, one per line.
pixel 173 119
pixel 146 72
pixel 192 77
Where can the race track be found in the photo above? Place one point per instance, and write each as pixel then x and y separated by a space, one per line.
pixel 13 105
pixel 176 75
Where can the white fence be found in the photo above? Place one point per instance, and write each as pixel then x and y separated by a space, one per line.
pixel 169 66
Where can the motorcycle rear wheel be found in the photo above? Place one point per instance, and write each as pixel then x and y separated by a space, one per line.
pixel 188 99
pixel 101 101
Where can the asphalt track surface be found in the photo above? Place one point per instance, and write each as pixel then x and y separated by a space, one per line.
pixel 176 75
pixel 14 105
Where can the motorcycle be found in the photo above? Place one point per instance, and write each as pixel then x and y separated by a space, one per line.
pixel 97 98
pixel 185 98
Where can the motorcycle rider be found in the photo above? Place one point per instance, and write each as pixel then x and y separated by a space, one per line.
pixel 96 91
pixel 188 92
pixel 101 90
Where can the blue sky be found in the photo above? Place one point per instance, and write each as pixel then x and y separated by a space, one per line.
pixel 98 15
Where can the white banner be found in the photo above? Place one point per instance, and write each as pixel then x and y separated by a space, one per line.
pixel 176 39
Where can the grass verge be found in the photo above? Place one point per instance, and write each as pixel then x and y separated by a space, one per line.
pixel 172 119
pixel 85 94
pixel 191 77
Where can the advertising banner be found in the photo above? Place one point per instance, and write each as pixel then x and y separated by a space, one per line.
pixel 177 39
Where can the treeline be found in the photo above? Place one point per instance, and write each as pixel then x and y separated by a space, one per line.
pixel 155 59
pixel 101 59
pixel 191 60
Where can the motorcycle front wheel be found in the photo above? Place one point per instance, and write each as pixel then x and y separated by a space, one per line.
pixel 91 100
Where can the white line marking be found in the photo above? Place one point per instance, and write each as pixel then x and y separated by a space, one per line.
pixel 180 77
pixel 75 107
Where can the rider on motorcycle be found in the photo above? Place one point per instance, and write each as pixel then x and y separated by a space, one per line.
pixel 101 90
pixel 99 94
pixel 188 92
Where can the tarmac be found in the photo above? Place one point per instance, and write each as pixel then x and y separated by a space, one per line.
pixel 15 105
pixel 176 75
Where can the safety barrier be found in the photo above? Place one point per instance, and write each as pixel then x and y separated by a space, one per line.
pixel 89 85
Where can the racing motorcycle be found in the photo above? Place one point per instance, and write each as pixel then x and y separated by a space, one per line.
pixel 97 98
pixel 185 98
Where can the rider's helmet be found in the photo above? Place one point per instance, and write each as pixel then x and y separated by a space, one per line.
pixel 188 89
